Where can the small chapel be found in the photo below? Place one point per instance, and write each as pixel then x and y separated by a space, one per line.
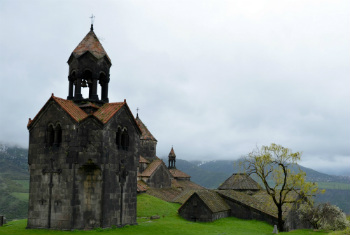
pixel 84 151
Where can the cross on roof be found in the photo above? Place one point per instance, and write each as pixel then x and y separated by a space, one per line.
pixel 92 17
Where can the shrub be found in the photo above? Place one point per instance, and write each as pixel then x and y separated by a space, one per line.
pixel 323 216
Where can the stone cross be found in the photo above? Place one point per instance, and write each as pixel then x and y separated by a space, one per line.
pixel 275 230
pixel 122 173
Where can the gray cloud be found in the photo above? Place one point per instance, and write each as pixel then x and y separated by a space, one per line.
pixel 212 78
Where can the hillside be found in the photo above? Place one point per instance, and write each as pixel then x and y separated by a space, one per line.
pixel 211 174
pixel 169 223
pixel 14 182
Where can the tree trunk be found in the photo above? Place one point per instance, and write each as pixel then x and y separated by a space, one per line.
pixel 280 219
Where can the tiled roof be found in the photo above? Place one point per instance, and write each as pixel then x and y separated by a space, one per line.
pixel 68 105
pixel 184 195
pixel 172 153
pixel 107 111
pixel 260 201
pixel 213 200
pixel 151 168
pixel 104 113
pixel 240 182
pixel 188 185
pixel 71 108
pixel 178 174
pixel 143 160
pixel 166 194
pixel 146 134
pixel 92 44
pixel 141 186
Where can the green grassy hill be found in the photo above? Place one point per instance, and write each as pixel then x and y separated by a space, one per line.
pixel 14 182
pixel 169 223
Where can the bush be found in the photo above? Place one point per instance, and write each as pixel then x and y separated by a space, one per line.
pixel 323 216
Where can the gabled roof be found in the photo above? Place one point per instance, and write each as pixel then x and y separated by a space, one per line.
pixel 141 186
pixel 184 196
pixel 103 114
pixel 143 160
pixel 260 201
pixel 166 194
pixel 178 174
pixel 90 43
pixel 188 185
pixel 107 111
pixel 67 105
pixel 152 168
pixel 146 134
pixel 213 201
pixel 240 181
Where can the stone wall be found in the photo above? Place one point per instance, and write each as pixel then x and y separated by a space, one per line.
pixel 148 149
pixel 245 212
pixel 194 209
pixel 86 181
pixel 161 178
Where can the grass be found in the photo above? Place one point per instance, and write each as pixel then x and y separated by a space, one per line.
pixel 169 223
pixel 333 185
pixel 21 196
pixel 24 183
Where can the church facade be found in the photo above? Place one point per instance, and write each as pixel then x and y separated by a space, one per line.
pixel 83 152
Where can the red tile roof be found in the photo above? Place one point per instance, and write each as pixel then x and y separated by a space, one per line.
pixel 92 44
pixel 151 168
pixel 141 186
pixel 178 174
pixel 107 111
pixel 146 134
pixel 143 160
pixel 104 113
pixel 71 108
pixel 172 153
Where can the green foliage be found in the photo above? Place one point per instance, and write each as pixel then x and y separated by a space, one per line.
pixel 12 207
pixel 273 165
pixel 14 182
pixel 324 216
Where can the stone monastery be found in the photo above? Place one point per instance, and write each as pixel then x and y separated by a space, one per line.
pixel 88 158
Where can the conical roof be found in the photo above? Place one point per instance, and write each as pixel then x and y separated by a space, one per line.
pixel 172 152
pixel 240 182
pixel 91 44
pixel 146 134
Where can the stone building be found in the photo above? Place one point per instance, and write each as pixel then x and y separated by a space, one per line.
pixel 204 206
pixel 245 200
pixel 153 176
pixel 83 152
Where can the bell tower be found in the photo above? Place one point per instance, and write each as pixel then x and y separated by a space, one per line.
pixel 89 67
pixel 172 159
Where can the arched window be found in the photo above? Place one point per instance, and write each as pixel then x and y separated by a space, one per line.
pixel 118 138
pixel 125 140
pixel 58 135
pixel 50 135
pixel 86 81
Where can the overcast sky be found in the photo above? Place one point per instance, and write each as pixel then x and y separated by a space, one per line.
pixel 212 78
